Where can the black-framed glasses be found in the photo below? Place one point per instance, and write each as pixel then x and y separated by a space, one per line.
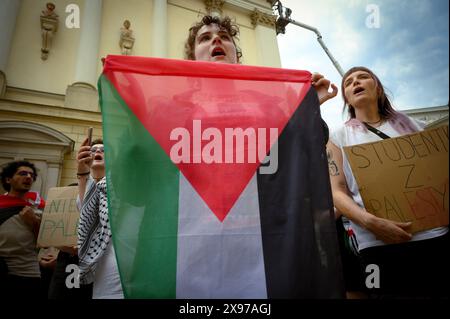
pixel 94 149
pixel 26 173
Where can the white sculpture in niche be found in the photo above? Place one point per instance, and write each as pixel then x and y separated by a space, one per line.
pixel 126 38
pixel 49 25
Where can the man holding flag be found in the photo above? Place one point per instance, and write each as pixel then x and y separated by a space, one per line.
pixel 19 228
pixel 190 221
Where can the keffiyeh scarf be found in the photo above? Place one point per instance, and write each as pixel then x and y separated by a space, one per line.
pixel 94 230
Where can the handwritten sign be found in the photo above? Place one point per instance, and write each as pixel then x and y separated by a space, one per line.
pixel 60 218
pixel 405 178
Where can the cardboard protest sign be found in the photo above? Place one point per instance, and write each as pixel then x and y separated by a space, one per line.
pixel 405 178
pixel 60 218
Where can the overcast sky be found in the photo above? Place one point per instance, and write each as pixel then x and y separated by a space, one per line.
pixel 408 49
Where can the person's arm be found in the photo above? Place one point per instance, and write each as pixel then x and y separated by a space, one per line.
pixel 386 230
pixel 337 213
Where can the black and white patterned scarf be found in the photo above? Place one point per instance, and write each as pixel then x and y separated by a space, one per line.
pixel 94 230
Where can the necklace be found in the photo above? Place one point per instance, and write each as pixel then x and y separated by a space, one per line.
pixel 375 122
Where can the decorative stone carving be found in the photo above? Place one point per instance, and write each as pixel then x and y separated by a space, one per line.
pixel 126 38
pixel 49 26
pixel 260 18
pixel 214 7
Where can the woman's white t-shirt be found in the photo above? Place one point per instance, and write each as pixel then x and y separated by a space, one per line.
pixel 107 283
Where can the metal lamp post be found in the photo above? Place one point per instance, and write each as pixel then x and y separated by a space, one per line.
pixel 284 18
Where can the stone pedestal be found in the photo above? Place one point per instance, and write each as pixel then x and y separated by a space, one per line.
pixel 82 96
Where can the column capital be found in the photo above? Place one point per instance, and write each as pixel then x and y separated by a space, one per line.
pixel 214 6
pixel 261 18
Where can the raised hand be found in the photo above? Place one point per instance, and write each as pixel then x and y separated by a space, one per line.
pixel 84 158
pixel 29 217
pixel 322 86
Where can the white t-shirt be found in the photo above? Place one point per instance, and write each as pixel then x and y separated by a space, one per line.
pixel 348 135
pixel 107 283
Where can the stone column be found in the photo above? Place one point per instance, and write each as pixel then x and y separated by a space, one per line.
pixel 159 29
pixel 266 42
pixel 8 14
pixel 82 94
pixel 87 57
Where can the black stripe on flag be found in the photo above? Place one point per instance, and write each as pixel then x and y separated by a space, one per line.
pixel 299 237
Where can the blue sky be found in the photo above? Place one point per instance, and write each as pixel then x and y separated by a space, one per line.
pixel 409 50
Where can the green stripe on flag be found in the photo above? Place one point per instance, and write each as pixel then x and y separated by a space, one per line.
pixel 143 186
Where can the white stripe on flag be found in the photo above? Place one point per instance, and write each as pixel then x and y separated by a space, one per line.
pixel 219 260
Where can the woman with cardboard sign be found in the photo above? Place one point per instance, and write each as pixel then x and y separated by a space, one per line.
pixel 397 262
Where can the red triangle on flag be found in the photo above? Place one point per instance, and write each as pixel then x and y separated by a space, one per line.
pixel 196 121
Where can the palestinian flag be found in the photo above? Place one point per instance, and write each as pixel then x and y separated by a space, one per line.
pixel 11 205
pixel 217 181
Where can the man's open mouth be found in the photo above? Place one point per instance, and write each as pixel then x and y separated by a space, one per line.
pixel 98 157
pixel 218 52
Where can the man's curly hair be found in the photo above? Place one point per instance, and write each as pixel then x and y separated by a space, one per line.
pixel 224 23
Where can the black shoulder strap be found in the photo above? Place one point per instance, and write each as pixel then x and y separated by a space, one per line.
pixel 377 132
pixel 6 213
